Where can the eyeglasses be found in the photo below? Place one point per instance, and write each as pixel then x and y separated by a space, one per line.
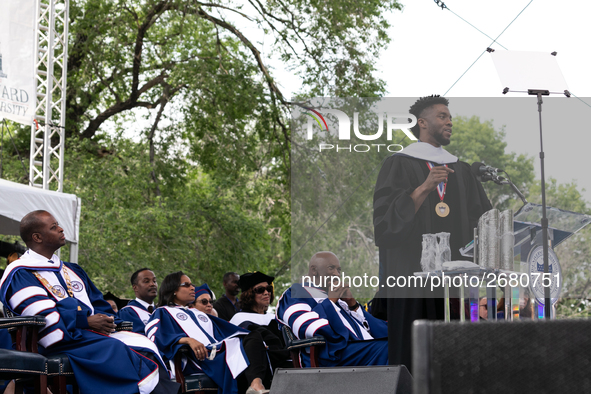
pixel 262 289
pixel 186 284
pixel 205 301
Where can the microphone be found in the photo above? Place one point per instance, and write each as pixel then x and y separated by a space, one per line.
pixel 485 173
pixel 481 169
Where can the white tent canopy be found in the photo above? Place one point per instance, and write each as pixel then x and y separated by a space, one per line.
pixel 17 200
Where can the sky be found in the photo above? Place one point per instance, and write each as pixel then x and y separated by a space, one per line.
pixel 449 46
pixel 431 48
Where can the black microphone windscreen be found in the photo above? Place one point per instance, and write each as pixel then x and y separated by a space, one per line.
pixel 476 168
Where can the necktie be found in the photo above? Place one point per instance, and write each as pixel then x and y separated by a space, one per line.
pixel 150 309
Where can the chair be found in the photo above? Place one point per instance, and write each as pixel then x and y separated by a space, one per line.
pixel 56 368
pixel 60 370
pixel 295 346
pixel 24 366
pixel 197 383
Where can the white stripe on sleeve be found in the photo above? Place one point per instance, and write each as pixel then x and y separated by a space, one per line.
pixel 24 294
pixel 50 320
pixel 312 328
pixel 37 307
pixel 151 333
pixel 293 309
pixel 150 324
pixel 304 317
pixel 51 338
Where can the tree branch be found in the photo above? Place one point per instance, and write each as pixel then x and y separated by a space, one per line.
pixel 257 55
pixel 163 101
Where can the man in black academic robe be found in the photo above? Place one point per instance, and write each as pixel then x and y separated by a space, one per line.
pixel 405 200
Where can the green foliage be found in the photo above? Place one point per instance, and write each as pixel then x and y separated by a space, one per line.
pixel 195 225
pixel 126 55
pixel 563 196
pixel 332 193
pixel 477 141
pixel 15 140
pixel 574 254
pixel 568 308
pixel 213 164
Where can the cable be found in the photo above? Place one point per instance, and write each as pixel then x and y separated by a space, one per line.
pixel 454 84
pixel 520 12
pixel 477 28
pixel 495 40
pixel 444 6
pixel 581 100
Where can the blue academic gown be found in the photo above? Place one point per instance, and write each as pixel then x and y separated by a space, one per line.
pixel 166 332
pixel 5 339
pixel 350 338
pixel 138 318
pixel 101 363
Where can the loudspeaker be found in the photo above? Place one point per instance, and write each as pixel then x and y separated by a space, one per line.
pixel 538 356
pixel 394 379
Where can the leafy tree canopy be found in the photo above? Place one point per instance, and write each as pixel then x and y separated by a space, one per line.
pixel 474 140
pixel 178 136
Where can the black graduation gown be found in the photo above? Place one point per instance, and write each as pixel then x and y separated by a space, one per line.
pixel 398 234
pixel 264 344
pixel 225 308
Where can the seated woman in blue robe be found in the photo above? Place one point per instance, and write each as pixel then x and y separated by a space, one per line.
pixel 173 325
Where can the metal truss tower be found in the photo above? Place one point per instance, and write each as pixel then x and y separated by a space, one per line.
pixel 48 132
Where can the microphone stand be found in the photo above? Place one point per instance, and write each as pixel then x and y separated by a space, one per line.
pixel 547 301
pixel 517 66
pixel 499 180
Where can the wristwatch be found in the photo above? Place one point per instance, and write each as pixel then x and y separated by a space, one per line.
pixel 354 307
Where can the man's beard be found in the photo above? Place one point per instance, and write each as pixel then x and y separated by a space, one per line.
pixel 441 140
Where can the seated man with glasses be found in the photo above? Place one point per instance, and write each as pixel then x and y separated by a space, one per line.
pixel 353 336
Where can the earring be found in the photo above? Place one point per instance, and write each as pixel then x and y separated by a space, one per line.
pixel 174 293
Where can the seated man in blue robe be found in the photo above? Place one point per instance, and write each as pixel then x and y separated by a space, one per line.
pixel 140 310
pixel 353 336
pixel 79 322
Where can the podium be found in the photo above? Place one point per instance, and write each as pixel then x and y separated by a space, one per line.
pixel 526 281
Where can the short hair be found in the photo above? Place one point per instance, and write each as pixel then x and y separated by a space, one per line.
pixel 30 224
pixel 227 276
pixel 422 104
pixel 318 257
pixel 247 300
pixel 168 287
pixel 134 276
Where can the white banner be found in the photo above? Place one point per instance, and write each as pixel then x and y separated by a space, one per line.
pixel 17 60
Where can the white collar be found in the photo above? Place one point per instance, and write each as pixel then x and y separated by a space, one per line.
pixel 34 261
pixel 32 256
pixel 425 151
pixel 144 303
